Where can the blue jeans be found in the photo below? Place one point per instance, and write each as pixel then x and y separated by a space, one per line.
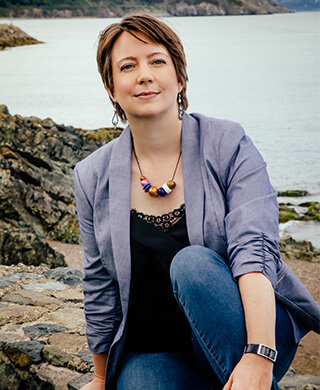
pixel 210 299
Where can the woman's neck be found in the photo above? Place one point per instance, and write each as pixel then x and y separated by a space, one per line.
pixel 156 137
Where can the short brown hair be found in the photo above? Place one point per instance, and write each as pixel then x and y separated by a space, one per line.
pixel 155 30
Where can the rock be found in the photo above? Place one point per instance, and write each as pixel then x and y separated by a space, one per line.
pixel 56 356
pixel 86 356
pixel 293 193
pixel 299 249
pixel 6 282
pixel 55 378
pixel 293 381
pixel 27 275
pixel 10 379
pixel 37 199
pixel 42 286
pixel 68 342
pixel 21 245
pixel 42 329
pixel 32 298
pixel 13 36
pixel 19 314
pixel 80 381
pixel 24 353
pixel 70 275
pixel 72 318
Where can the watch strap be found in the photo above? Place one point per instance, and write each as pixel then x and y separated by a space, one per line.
pixel 262 350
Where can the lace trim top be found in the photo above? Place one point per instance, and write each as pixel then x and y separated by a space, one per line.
pixel 165 221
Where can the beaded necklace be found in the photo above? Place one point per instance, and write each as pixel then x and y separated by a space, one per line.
pixel 152 190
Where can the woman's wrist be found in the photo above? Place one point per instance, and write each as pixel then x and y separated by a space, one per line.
pixel 262 350
pixel 100 377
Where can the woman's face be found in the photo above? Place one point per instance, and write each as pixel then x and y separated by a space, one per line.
pixel 144 77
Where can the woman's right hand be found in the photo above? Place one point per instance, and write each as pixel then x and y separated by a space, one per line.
pixel 95 384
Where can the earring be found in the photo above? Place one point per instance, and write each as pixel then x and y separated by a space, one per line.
pixel 115 119
pixel 180 107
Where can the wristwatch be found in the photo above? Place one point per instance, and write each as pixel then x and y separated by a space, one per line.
pixel 262 350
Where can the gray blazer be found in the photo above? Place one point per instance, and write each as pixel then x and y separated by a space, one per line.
pixel 231 208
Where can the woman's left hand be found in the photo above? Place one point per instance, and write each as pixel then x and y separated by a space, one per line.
pixel 253 372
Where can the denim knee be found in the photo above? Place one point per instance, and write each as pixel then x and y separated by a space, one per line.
pixel 191 262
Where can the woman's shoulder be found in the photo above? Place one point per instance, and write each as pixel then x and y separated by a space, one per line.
pixel 217 127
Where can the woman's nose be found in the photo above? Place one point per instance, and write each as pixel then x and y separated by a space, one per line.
pixel 145 75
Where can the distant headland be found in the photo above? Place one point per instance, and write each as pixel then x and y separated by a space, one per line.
pixel 117 8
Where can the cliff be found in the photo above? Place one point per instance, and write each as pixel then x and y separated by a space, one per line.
pixel 117 8
pixel 13 36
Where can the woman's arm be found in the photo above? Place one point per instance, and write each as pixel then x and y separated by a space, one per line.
pixel 254 372
pixel 99 362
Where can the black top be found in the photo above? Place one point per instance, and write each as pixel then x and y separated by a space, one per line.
pixel 155 321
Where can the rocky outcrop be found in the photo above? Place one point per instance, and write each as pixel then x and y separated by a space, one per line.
pixel 299 249
pixel 11 36
pixel 306 211
pixel 37 201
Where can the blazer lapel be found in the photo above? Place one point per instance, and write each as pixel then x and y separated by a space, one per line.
pixel 120 178
pixel 193 186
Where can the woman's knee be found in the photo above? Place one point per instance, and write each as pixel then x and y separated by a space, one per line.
pixel 192 261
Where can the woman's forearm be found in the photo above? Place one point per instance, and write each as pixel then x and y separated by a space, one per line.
pixel 258 301
pixel 100 362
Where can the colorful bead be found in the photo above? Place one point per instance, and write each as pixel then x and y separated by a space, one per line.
pixel 142 178
pixel 146 187
pixel 171 184
pixel 161 192
pixel 153 191
pixel 144 182
pixel 166 188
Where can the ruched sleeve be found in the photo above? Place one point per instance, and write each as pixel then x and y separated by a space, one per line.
pixel 102 302
pixel 251 221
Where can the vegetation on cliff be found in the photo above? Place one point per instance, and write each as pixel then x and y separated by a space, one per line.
pixel 117 8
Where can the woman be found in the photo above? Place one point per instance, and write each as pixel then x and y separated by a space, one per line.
pixel 179 277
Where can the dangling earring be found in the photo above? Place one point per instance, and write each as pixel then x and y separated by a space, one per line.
pixel 180 107
pixel 115 119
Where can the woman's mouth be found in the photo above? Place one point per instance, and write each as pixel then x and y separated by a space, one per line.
pixel 147 95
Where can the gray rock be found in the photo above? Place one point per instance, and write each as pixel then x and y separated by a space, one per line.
pixel 77 383
pixel 70 276
pixel 299 381
pixel 42 329
pixel 27 275
pixel 33 298
pixel 6 282
pixel 1 305
pixel 42 286
pixel 24 353
pixel 86 356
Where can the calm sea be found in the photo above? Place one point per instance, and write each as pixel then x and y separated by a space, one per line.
pixel 261 71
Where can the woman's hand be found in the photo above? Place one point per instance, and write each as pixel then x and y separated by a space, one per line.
pixel 95 384
pixel 253 372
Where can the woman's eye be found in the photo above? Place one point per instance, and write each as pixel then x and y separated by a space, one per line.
pixel 159 62
pixel 126 67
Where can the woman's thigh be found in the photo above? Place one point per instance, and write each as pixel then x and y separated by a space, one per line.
pixel 161 371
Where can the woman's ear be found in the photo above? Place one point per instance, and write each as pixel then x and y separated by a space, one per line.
pixel 112 96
